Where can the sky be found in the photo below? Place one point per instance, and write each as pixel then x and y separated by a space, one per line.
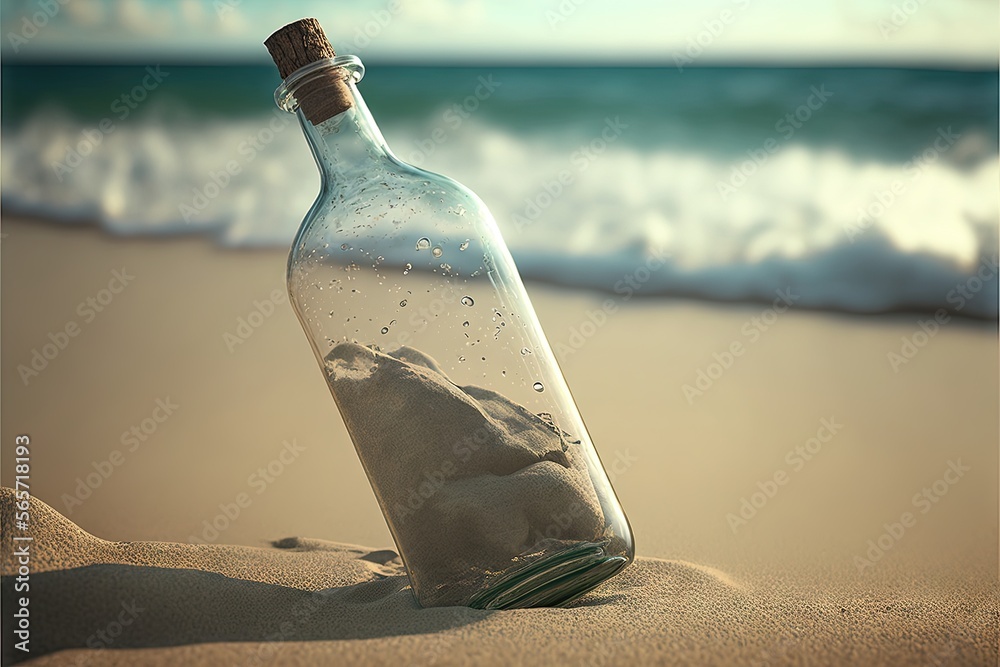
pixel 962 33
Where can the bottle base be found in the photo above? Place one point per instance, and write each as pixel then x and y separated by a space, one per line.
pixel 553 582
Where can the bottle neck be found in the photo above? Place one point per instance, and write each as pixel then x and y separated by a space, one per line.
pixel 348 145
pixel 344 139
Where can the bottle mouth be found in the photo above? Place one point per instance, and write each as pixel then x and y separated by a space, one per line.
pixel 284 96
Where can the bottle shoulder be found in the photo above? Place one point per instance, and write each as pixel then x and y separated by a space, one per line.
pixel 395 200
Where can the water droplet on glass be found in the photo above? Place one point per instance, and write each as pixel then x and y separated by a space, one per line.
pixel 538 386
pixel 385 330
pixel 465 324
pixel 423 243
pixel 461 358
pixel 465 244
pixel 402 303
pixel 503 373
pixel 343 246
pixel 467 301
pixel 525 351
pixel 437 252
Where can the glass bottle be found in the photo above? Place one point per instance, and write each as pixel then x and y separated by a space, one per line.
pixel 465 427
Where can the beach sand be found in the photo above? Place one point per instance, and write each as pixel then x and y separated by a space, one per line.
pixel 868 493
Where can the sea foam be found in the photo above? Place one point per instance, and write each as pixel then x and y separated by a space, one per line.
pixel 841 232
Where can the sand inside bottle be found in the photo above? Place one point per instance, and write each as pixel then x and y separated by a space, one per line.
pixel 473 485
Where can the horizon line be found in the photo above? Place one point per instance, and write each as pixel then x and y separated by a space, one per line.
pixel 567 63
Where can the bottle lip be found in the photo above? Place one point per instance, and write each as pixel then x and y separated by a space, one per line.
pixel 284 95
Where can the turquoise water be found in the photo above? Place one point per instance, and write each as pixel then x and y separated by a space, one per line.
pixel 864 190
pixel 885 113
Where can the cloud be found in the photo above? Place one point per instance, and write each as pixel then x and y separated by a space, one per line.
pixel 445 14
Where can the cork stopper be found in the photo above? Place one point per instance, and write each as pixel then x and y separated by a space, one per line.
pixel 325 94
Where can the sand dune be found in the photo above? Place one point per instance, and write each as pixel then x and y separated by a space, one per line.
pixel 311 602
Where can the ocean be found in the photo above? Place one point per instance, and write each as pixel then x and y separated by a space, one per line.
pixel 860 190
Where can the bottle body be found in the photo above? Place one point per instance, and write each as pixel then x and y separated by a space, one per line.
pixel 466 429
